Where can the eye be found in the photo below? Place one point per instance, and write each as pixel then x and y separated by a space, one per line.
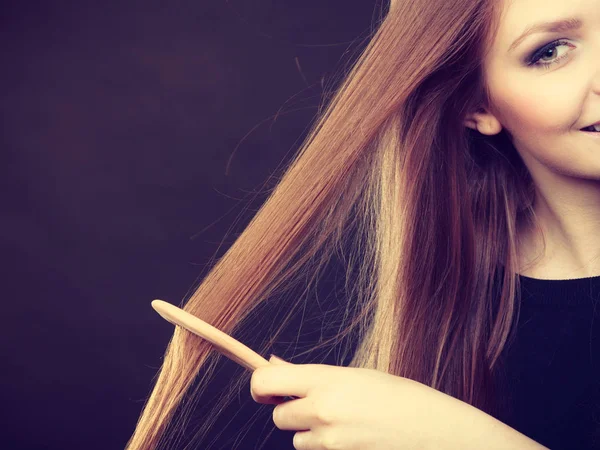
pixel 546 52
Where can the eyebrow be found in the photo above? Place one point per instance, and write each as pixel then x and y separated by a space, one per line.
pixel 549 27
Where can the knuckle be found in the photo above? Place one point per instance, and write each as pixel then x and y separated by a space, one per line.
pixel 324 414
pixel 299 441
pixel 257 383
pixel 277 416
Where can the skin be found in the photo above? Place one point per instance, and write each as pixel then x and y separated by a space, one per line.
pixel 544 109
pixel 350 408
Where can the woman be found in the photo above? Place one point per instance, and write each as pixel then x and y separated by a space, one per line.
pixel 453 166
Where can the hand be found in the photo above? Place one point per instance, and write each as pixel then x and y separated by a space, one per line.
pixel 353 408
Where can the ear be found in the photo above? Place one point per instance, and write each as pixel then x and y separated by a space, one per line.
pixel 484 122
pixel 471 122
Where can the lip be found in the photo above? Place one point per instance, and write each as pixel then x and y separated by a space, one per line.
pixel 592 134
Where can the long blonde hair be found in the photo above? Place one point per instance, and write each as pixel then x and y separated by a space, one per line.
pixel 432 208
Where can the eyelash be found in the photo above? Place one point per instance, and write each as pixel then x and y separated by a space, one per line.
pixel 536 56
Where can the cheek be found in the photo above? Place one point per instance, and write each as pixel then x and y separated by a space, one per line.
pixel 541 120
pixel 533 109
pixel 536 102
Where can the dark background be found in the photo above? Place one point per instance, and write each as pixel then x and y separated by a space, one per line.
pixel 132 134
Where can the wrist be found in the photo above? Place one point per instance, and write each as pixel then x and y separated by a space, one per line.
pixel 466 427
pixel 458 425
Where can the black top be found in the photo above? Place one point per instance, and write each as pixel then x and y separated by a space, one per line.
pixel 551 369
pixel 549 375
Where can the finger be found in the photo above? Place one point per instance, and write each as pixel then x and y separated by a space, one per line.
pixel 315 440
pixel 295 415
pixel 290 379
pixel 303 440
pixel 266 399
pixel 277 360
pixel 272 399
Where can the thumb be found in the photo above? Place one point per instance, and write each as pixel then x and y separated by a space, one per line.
pixel 276 360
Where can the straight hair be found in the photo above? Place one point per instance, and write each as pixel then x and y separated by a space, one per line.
pixel 427 209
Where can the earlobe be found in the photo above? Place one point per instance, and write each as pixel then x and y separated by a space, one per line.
pixel 490 127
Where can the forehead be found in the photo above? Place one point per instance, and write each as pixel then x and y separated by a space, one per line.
pixel 518 15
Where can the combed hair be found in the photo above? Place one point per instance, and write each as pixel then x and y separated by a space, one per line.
pixel 422 210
